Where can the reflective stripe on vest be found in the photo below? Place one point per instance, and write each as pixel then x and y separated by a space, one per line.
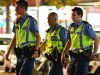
pixel 78 37
pixel 23 35
pixel 54 41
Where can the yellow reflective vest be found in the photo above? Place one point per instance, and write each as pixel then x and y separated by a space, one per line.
pixel 75 37
pixel 54 41
pixel 23 35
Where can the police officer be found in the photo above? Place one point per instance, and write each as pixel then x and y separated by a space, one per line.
pixel 55 40
pixel 83 44
pixel 26 40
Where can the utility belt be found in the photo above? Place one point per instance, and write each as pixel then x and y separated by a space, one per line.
pixel 86 51
pixel 25 52
pixel 54 56
pixel 80 50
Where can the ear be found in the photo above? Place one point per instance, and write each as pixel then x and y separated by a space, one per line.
pixel 56 19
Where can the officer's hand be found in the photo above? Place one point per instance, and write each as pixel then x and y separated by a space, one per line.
pixel 92 57
pixel 35 54
pixel 65 60
pixel 7 56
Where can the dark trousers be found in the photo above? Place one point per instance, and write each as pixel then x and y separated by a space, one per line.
pixel 78 65
pixel 18 65
pixel 25 63
pixel 56 68
pixel 27 66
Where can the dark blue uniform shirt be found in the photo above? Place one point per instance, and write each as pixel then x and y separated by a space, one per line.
pixel 33 23
pixel 88 30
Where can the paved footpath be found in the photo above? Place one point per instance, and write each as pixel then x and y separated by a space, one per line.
pixel 4 73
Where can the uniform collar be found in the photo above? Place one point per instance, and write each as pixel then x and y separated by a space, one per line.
pixel 55 27
pixel 25 17
pixel 79 23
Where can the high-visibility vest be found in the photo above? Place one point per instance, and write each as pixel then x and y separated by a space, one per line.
pixel 23 35
pixel 78 37
pixel 54 41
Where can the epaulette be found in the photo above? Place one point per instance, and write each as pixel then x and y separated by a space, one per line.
pixel 56 29
pixel 59 26
pixel 85 22
pixel 33 18
pixel 72 25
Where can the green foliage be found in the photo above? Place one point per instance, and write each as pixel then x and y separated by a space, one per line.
pixel 21 0
pixel 4 2
pixel 57 3
pixel 71 2
pixel 60 3
pixel 1 12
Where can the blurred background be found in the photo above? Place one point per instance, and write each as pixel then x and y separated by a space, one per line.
pixel 40 9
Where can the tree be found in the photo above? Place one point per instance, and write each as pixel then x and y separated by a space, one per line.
pixel 60 3
pixel 7 4
pixel 4 2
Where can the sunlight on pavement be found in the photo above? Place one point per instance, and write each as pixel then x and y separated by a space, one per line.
pixel 4 73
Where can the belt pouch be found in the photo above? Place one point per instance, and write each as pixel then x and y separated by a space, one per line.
pixel 87 53
pixel 18 52
pixel 28 51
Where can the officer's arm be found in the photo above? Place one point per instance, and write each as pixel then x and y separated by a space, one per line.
pixel 96 44
pixel 63 35
pixel 91 33
pixel 65 50
pixel 67 46
pixel 43 46
pixel 38 39
pixel 34 28
pixel 68 43
pixel 12 44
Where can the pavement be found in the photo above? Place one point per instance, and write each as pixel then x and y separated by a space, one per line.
pixel 5 73
pixel 2 71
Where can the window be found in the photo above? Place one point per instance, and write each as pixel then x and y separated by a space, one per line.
pixel 5 41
